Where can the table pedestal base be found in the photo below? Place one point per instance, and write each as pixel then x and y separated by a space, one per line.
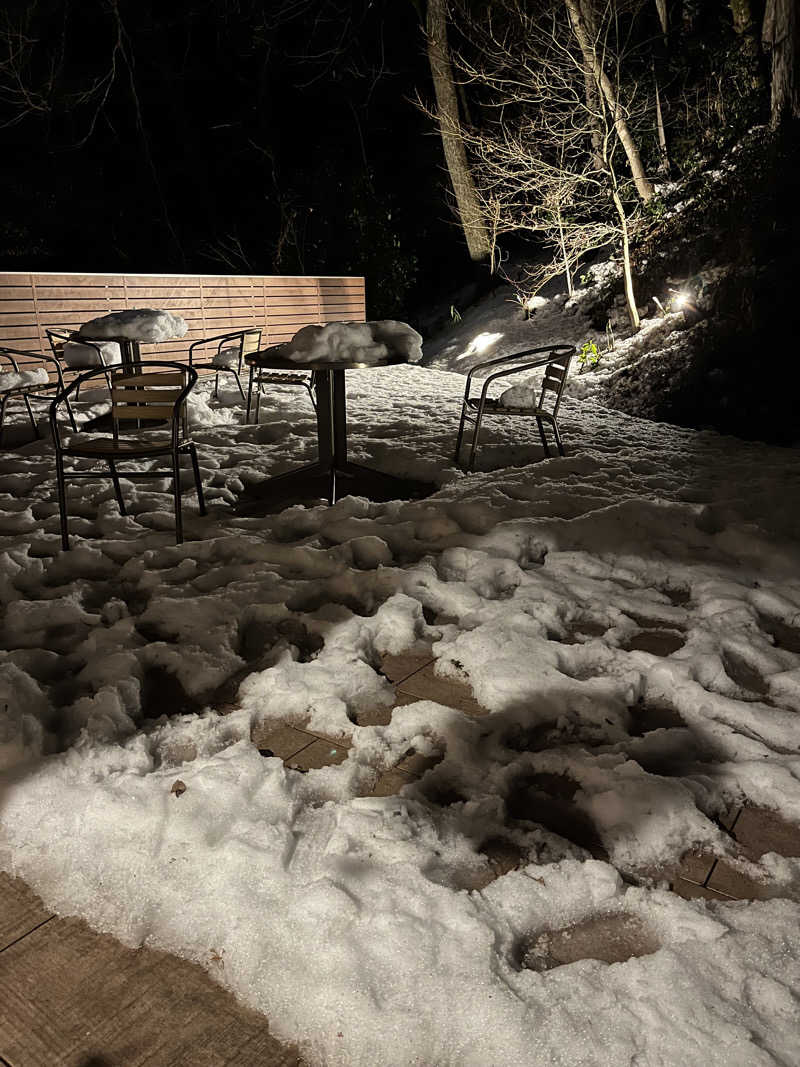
pixel 318 482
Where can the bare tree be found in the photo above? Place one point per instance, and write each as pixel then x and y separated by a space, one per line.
pixel 584 21
pixel 467 203
pixel 549 156
pixel 781 36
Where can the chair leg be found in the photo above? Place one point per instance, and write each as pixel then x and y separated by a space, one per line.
pixel 3 400
pixel 216 386
pixel 198 483
pixel 62 501
pixel 238 384
pixel 176 493
pixel 557 436
pixel 313 398
pixel 545 445
pixel 71 414
pixel 30 415
pixel 460 432
pixel 473 449
pixel 117 489
pixel 249 396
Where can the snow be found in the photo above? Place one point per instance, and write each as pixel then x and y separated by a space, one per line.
pixel 367 928
pixel 227 359
pixel 137 324
pixel 356 342
pixel 22 378
pixel 79 355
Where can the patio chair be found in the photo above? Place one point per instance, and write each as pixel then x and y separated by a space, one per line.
pixel 262 376
pixel 231 348
pixel 149 392
pixel 30 383
pixel 554 358
pixel 76 355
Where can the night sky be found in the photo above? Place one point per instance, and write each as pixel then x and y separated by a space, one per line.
pixel 227 136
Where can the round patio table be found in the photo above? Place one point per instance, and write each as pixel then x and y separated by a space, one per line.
pixel 333 475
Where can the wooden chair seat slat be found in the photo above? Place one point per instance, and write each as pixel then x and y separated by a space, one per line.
pixel 148 380
pixel 126 395
pixel 143 411
pixel 107 447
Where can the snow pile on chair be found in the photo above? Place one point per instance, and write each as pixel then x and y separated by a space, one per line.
pixel 22 379
pixel 137 324
pixel 78 356
pixel 520 396
pixel 355 342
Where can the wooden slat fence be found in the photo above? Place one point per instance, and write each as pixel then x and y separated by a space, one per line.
pixel 210 303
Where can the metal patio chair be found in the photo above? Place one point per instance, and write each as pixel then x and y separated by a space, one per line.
pixel 26 385
pixel 261 376
pixel 142 394
pixel 231 348
pixel 554 358
pixel 59 339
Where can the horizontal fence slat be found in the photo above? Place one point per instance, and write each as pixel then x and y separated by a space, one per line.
pixel 278 305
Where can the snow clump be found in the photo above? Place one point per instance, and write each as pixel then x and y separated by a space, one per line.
pixel 355 342
pixel 137 324
pixel 22 379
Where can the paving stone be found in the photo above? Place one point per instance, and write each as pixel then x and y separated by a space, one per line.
pixel 380 716
pixel 390 783
pixel 425 685
pixel 20 911
pixel 320 753
pixel 416 764
pixel 398 667
pixel 735 883
pixel 695 866
pixel 503 855
pixel 282 741
pixel 72 998
pixel 758 830
pixel 693 891
pixel 610 938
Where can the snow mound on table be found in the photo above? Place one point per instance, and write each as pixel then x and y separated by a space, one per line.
pixel 137 324
pixel 356 342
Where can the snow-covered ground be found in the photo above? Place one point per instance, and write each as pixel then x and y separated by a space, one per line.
pixel 349 919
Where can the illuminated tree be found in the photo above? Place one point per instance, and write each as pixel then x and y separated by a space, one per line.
pixel 551 153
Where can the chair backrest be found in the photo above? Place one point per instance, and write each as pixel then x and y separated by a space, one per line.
pixel 251 342
pixel 141 392
pixel 57 339
pixel 149 391
pixel 555 378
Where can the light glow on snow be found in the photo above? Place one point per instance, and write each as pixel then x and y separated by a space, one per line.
pixel 480 344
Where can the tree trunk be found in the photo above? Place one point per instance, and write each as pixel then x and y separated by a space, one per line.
pixel 781 36
pixel 745 28
pixel 455 155
pixel 661 7
pixel 662 135
pixel 592 62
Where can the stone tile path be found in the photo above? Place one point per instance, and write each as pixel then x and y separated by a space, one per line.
pixel 72 998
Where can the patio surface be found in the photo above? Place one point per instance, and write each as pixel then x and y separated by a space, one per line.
pixel 70 997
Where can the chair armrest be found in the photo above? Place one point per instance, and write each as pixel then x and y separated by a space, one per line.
pixel 548 353
pixel 211 340
pixel 10 353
